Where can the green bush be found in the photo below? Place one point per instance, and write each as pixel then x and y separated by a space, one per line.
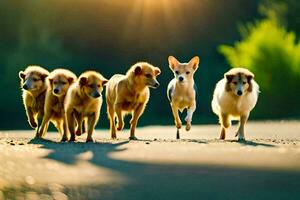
pixel 273 55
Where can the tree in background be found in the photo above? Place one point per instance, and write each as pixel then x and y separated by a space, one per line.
pixel 273 54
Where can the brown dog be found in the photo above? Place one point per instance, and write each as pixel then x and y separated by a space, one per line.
pixel 129 94
pixel 84 100
pixel 33 83
pixel 58 82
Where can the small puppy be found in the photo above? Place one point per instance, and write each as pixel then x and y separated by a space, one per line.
pixel 234 97
pixel 58 82
pixel 33 83
pixel 84 100
pixel 129 94
pixel 182 90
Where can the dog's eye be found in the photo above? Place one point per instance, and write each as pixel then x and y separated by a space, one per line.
pixel 35 79
pixel 64 83
pixel 234 82
pixel 91 85
pixel 177 72
pixel 98 85
pixel 187 72
pixel 148 75
pixel 55 82
pixel 244 82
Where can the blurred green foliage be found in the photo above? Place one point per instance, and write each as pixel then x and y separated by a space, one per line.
pixel 273 54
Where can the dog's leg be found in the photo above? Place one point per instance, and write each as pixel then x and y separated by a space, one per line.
pixel 92 120
pixel 178 123
pixel 240 132
pixel 71 123
pixel 111 116
pixel 65 129
pixel 135 117
pixel 189 117
pixel 44 126
pixel 80 122
pixel 225 123
pixel 118 109
pixel 32 122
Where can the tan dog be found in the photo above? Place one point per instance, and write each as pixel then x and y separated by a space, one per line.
pixel 182 90
pixel 33 83
pixel 84 100
pixel 58 82
pixel 234 97
pixel 129 94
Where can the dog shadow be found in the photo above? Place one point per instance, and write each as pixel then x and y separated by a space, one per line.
pixel 153 180
pixel 252 143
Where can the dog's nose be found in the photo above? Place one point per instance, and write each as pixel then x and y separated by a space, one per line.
pixel 156 85
pixel 239 92
pixel 25 87
pixel 56 91
pixel 96 95
pixel 180 78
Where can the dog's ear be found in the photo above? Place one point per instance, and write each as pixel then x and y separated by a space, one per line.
pixel 137 70
pixel 82 81
pixel 22 75
pixel 157 71
pixel 44 76
pixel 50 81
pixel 173 62
pixel 71 80
pixel 104 82
pixel 249 79
pixel 229 77
pixel 194 62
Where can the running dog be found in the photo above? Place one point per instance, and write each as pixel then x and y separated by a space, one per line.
pixel 84 100
pixel 58 82
pixel 234 97
pixel 33 83
pixel 129 94
pixel 182 90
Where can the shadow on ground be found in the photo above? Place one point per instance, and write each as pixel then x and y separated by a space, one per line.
pixel 173 181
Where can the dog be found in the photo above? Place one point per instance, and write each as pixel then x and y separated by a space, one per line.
pixel 84 100
pixel 33 83
pixel 234 98
pixel 129 94
pixel 58 82
pixel 182 90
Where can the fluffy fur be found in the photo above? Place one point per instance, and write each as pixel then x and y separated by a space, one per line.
pixel 84 100
pixel 234 97
pixel 129 94
pixel 33 83
pixel 182 91
pixel 58 82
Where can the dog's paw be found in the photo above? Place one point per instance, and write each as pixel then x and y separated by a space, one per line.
pixel 188 126
pixel 133 138
pixel 113 136
pixel 89 139
pixel 64 139
pixel 33 124
pixel 72 139
pixel 120 126
pixel 241 139
pixel 178 125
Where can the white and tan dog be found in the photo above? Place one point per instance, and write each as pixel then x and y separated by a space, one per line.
pixel 182 90
pixel 234 97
